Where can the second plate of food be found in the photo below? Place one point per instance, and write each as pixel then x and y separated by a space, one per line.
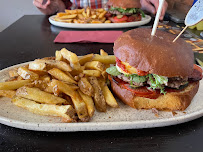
pixel 144 21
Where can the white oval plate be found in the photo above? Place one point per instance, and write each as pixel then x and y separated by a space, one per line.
pixel 121 118
pixel 144 20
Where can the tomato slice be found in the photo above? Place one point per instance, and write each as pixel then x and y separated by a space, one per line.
pixel 120 20
pixel 195 66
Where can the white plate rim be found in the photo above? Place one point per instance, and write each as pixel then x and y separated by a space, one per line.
pixel 144 20
pixel 97 126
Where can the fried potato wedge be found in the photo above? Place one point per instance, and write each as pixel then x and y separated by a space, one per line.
pixel 89 103
pixel 85 58
pixel 39 96
pixel 110 59
pixel 7 93
pixel 95 65
pixel 98 96
pixel 86 87
pixel 56 64
pixel 27 74
pixel 12 85
pixel 60 75
pixel 93 73
pixel 66 112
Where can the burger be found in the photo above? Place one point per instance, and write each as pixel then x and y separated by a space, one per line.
pixel 124 11
pixel 153 72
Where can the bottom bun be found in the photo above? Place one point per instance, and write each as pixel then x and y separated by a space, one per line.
pixel 170 101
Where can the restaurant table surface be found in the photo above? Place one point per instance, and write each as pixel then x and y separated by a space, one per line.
pixel 32 37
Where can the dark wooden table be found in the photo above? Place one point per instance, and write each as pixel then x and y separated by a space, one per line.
pixel 32 37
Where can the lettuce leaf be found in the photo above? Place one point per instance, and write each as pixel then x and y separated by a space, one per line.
pixel 113 71
pixel 128 10
pixel 157 82
pixel 138 79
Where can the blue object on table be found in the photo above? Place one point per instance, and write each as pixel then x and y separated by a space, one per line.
pixel 194 2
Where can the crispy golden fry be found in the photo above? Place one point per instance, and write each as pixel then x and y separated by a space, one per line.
pixel 79 11
pixel 39 96
pixel 95 22
pixel 84 14
pixel 104 74
pixel 88 12
pixel 99 99
pixel 103 53
pixel 66 112
pixel 37 66
pixel 110 100
pixel 100 10
pixel 71 11
pixel 107 21
pixel 86 87
pixel 89 103
pixel 61 14
pixel 80 16
pixel 27 74
pixel 85 58
pixel 7 93
pixel 102 14
pixel 94 16
pixel 12 85
pixel 77 72
pixel 93 73
pixel 70 56
pixel 13 73
pixel 75 66
pixel 80 107
pixel 110 59
pixel 65 88
pixel 63 20
pixel 60 75
pixel 94 65
pixel 69 16
pixel 19 78
pixel 56 64
pixel 59 56
pixel 45 78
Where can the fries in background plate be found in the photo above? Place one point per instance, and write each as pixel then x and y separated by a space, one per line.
pixel 67 86
pixel 83 16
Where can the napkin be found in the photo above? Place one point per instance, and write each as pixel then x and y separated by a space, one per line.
pixel 87 36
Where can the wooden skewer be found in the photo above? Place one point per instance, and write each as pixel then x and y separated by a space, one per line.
pixel 158 14
pixel 180 34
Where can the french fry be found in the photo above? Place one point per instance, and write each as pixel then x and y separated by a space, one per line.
pixel 79 11
pixel 80 16
pixel 88 12
pixel 71 11
pixel 69 16
pixel 102 14
pixel 110 59
pixel 61 14
pixel 66 112
pixel 37 66
pixel 12 85
pixel 65 88
pixel 94 16
pixel 109 98
pixel 103 19
pixel 7 93
pixel 27 74
pixel 75 66
pixel 100 10
pixel 85 86
pixel 103 53
pixel 89 103
pixel 13 73
pixel 56 64
pixel 94 65
pixel 84 14
pixel 60 75
pixel 63 20
pixel 98 96
pixel 93 73
pixel 39 96
pixel 80 107
pixel 70 56
pixel 59 56
pixel 104 74
pixel 107 21
pixel 85 58
pixel 95 22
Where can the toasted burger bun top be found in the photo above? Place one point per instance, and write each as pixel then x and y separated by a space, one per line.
pixel 125 3
pixel 157 54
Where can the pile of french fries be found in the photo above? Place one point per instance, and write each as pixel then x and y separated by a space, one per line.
pixel 67 85
pixel 83 16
